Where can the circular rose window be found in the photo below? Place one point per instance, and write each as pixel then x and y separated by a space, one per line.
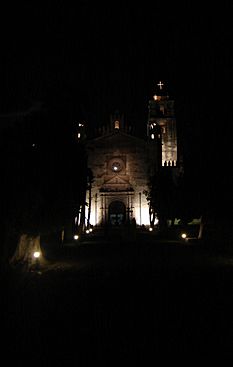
pixel 116 167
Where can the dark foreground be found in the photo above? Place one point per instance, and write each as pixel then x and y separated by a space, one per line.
pixel 120 303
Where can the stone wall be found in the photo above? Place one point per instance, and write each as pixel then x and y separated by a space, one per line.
pixel 138 162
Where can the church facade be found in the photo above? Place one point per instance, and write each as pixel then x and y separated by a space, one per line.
pixel 123 163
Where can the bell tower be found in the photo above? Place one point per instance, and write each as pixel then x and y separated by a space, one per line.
pixel 161 120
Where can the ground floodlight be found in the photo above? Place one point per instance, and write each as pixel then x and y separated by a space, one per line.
pixel 36 254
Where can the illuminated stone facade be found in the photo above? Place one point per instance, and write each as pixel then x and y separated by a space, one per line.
pixel 122 165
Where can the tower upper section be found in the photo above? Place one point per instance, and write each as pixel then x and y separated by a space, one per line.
pixel 161 112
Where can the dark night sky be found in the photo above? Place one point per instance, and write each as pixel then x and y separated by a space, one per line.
pixel 91 59
pixel 109 56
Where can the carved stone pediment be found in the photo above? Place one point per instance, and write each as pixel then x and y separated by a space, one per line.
pixel 116 183
pixel 113 179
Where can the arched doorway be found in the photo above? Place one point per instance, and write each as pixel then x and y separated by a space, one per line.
pixel 117 213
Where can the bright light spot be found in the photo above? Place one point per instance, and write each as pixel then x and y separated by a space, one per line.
pixel 155 97
pixel 156 221
pixel 184 235
pixel 33 145
pixel 115 168
pixel 142 216
pixel 152 136
pixel 150 229
pixel 90 229
pixel 79 135
pixel 117 125
pixel 36 254
pixel 87 231
pixel 96 213
pixel 76 237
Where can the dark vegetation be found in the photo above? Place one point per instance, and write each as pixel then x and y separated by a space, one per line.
pixel 43 177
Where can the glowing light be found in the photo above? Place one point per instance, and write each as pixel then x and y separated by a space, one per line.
pixel 96 212
pixel 142 214
pixel 156 221
pixel 87 231
pixel 155 97
pixel 90 229
pixel 36 254
pixel 79 135
pixel 76 237
pixel 152 136
pixel 117 124
pixel 150 229
pixel 183 235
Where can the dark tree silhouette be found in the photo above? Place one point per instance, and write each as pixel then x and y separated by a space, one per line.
pixel 43 173
pixel 166 196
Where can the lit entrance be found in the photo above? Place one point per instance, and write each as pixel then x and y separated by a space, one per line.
pixel 117 213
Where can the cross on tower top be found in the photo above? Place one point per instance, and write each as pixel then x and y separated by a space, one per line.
pixel 160 85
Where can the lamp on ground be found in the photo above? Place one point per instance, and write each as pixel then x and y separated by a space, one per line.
pixel 36 255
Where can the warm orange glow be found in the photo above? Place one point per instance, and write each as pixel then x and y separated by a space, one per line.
pixel 155 97
pixel 36 254
pixel 117 124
